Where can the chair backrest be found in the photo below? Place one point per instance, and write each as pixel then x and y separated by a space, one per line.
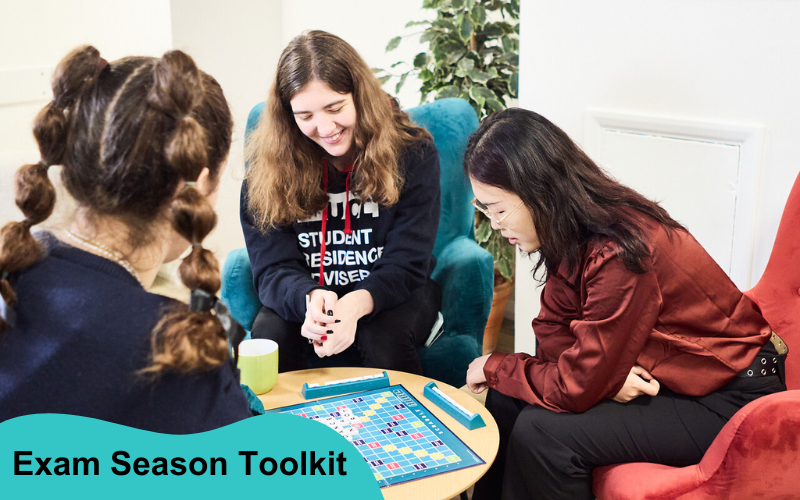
pixel 778 291
pixel 450 122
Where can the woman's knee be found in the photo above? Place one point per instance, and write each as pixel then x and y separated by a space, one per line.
pixel 269 325
pixel 387 353
pixel 536 428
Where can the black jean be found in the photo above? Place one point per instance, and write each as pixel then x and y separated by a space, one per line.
pixel 386 340
pixel 546 455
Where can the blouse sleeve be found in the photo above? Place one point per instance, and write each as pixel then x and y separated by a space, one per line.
pixel 584 359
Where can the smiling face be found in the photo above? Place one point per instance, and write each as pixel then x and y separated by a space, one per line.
pixel 516 223
pixel 327 118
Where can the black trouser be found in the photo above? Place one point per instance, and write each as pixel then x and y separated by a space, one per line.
pixel 545 455
pixel 387 340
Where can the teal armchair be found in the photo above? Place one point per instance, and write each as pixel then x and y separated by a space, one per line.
pixel 464 270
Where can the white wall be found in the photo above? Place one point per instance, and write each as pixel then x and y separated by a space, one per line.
pixel 34 36
pixel 367 25
pixel 719 61
pixel 239 44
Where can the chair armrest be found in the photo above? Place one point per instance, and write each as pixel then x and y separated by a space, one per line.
pixel 238 291
pixel 465 273
pixel 751 457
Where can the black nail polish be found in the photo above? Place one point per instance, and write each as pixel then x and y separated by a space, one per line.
pixel 330 313
pixel 329 331
pixel 338 321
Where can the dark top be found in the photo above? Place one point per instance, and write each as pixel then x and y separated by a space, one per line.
pixel 684 321
pixel 82 332
pixel 388 252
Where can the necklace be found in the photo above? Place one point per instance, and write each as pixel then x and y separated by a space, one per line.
pixel 104 251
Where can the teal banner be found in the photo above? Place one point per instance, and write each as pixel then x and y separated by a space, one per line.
pixel 266 457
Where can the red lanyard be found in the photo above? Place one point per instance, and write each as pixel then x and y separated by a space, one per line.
pixel 347 228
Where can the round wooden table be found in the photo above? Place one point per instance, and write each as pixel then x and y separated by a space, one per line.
pixel 483 441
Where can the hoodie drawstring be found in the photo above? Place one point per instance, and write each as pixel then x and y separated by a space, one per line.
pixel 347 227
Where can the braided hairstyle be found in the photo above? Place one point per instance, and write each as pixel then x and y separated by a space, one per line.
pixel 132 137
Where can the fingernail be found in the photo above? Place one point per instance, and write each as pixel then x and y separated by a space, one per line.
pixel 338 321
pixel 330 313
pixel 329 331
pixel 324 338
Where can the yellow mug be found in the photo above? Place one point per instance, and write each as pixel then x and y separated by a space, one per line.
pixel 258 362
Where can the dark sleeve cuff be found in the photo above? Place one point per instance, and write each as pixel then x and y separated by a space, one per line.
pixel 491 366
pixel 300 305
pixel 378 299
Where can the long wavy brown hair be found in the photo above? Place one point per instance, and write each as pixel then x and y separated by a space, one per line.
pixel 284 174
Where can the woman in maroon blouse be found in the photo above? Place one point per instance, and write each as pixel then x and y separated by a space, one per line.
pixel 632 306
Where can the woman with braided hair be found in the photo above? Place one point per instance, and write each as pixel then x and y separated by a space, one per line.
pixel 142 142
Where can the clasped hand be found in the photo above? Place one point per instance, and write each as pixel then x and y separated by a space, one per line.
pixel 476 378
pixel 331 321
pixel 638 383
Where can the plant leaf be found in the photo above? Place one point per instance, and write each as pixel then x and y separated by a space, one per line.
pixel 479 76
pixel 457 4
pixel 421 60
pixel 513 84
pixel 494 5
pixel 430 34
pixel 508 45
pixel 511 58
pixel 385 79
pixel 492 30
pixel 465 29
pixel 393 43
pixel 494 105
pixel 509 252
pixel 491 246
pixel 483 231
pixel 464 66
pixel 513 10
pixel 400 83
pixel 448 91
pixel 454 58
pixel 444 24
pixel 478 14
pixel 505 268
pixel 475 95
pixel 483 92
pixel 416 23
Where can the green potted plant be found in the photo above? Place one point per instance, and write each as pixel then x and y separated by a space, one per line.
pixel 473 53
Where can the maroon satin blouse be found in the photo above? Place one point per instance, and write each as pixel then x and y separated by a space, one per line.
pixel 683 320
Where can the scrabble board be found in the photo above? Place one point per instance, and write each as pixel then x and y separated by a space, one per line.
pixel 398 437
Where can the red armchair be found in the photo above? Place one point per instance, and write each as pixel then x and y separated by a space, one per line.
pixel 757 453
